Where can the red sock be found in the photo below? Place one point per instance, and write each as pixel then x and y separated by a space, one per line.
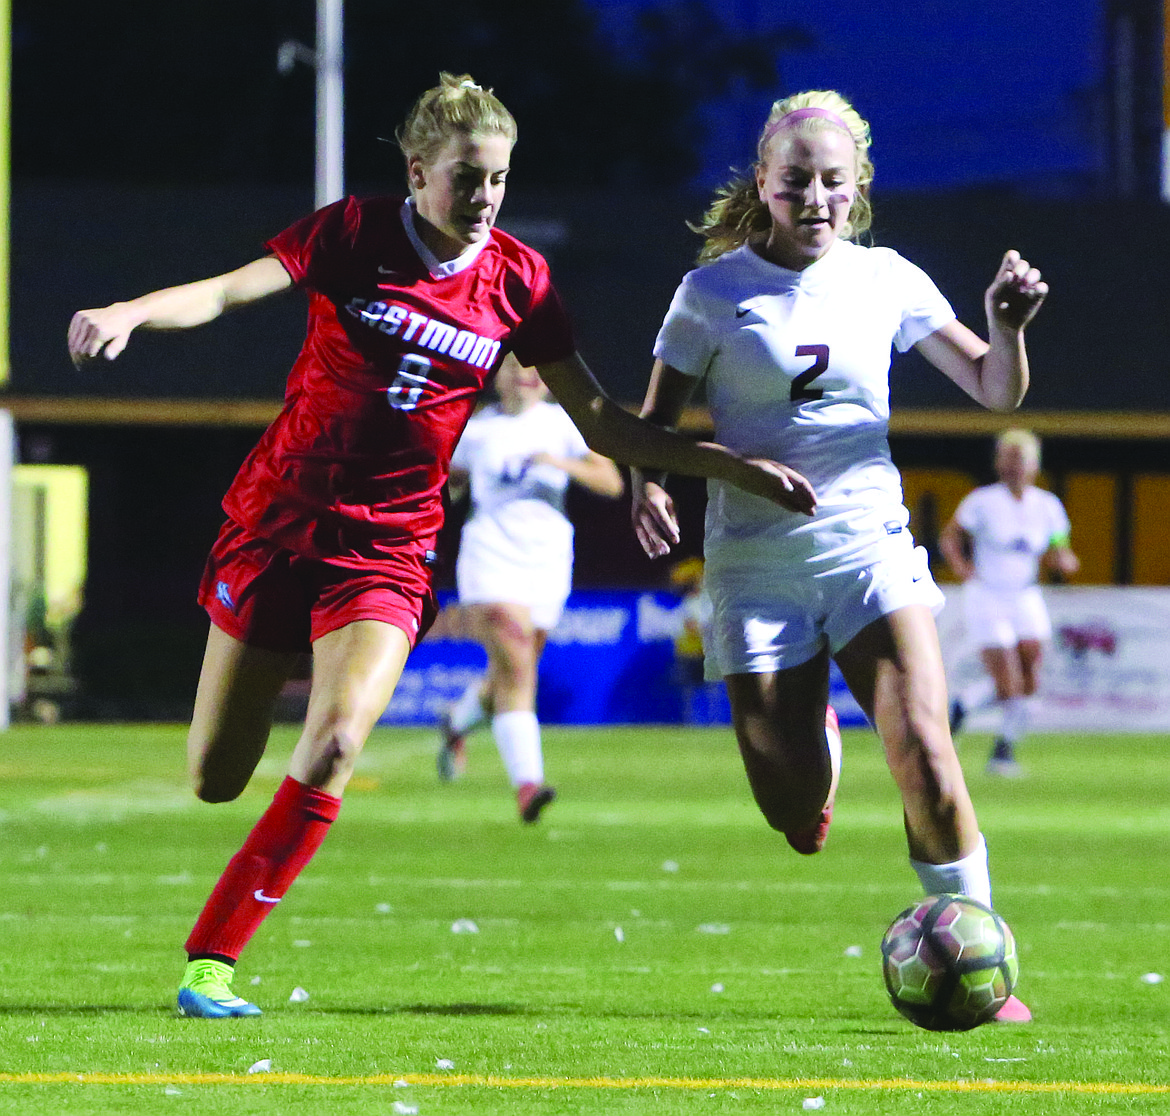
pixel 281 843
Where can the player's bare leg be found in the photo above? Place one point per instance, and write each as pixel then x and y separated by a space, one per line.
pixel 234 704
pixel 514 646
pixel 1005 665
pixel 780 726
pixel 894 669
pixel 1030 652
pixel 355 671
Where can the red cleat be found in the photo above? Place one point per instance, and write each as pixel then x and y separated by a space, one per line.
pixel 812 840
pixel 532 798
pixel 1014 1011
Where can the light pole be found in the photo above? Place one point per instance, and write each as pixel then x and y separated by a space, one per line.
pixel 327 60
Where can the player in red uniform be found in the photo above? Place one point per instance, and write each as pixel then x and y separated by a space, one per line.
pixel 333 516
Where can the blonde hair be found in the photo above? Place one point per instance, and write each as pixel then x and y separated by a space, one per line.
pixel 1023 440
pixel 456 104
pixel 737 214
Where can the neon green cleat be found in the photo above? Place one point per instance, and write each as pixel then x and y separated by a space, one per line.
pixel 206 992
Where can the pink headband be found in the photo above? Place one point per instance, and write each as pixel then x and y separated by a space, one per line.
pixel 797 115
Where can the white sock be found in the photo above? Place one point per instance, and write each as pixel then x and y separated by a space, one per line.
pixel 968 876
pixel 518 739
pixel 976 694
pixel 468 713
pixel 1015 719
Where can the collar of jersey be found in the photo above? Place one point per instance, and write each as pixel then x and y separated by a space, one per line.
pixel 439 269
pixel 816 272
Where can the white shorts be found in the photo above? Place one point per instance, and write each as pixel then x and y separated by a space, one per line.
pixel 483 578
pixel 767 620
pixel 1003 617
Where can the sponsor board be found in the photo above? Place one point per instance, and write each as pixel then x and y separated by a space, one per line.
pixel 610 660
pixel 1106 668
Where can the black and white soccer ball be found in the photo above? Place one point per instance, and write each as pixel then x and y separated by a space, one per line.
pixel 949 963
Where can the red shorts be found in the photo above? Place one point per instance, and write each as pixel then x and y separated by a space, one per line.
pixel 267 596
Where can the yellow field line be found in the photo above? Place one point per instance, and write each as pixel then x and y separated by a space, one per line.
pixel 896 1084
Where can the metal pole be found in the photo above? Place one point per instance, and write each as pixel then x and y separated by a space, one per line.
pixel 1166 100
pixel 330 179
pixel 1124 50
pixel 9 662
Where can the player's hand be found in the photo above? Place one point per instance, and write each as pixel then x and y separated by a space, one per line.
pixel 1015 294
pixel 654 518
pixel 103 332
pixel 778 483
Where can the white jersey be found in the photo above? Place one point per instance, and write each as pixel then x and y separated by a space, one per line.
pixel 517 544
pixel 1009 536
pixel 797 367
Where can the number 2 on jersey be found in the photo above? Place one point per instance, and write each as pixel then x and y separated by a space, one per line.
pixel 800 388
pixel 407 388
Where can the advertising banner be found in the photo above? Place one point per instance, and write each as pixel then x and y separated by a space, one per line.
pixel 1107 668
pixel 610 660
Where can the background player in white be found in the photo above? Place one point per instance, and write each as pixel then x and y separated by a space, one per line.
pixel 791 326
pixel 515 566
pixel 995 544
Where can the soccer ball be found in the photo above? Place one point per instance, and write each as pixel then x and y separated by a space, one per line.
pixel 949 962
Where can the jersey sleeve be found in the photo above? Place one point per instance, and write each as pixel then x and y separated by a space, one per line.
pixel 461 457
pixel 307 248
pixel 1059 527
pixel 967 513
pixel 685 341
pixel 924 309
pixel 545 334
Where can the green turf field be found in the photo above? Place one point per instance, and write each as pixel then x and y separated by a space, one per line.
pixel 650 947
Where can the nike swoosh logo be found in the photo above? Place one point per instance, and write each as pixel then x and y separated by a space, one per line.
pixel 386 270
pixel 741 313
pixel 259 894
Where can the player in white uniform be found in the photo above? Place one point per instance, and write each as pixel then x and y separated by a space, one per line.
pixel 996 542
pixel 515 566
pixel 791 326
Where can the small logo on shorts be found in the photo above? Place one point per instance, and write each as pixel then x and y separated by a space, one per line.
pixel 893 527
pixel 223 594
pixel 414 623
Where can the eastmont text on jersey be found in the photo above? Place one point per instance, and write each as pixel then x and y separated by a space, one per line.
pixel 428 333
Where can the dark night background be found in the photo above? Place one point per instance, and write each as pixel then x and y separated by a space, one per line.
pixel 157 143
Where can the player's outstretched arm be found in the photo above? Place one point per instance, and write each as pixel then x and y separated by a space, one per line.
pixel 995 372
pixel 105 331
pixel 955 544
pixel 631 440
pixel 593 472
pixel 652 510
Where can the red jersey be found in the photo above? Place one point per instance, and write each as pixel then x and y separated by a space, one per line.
pixel 393 361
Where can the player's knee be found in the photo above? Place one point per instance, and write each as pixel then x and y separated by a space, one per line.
pixel 790 784
pixel 791 812
pixel 220 765
pixel 212 786
pixel 334 758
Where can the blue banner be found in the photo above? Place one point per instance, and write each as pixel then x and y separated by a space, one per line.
pixel 610 660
